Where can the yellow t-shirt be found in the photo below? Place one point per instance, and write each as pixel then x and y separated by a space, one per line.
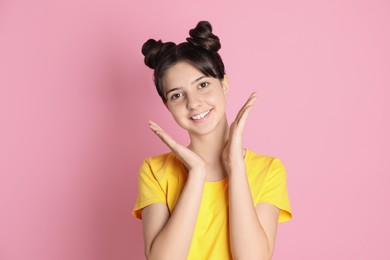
pixel 161 180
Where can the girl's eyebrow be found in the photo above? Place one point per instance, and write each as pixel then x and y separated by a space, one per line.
pixel 174 89
pixel 196 80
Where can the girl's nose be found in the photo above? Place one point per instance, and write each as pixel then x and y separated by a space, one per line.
pixel 193 101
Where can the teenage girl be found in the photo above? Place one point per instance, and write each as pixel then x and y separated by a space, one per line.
pixel 212 199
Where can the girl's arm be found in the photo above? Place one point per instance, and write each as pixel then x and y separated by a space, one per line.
pixel 169 237
pixel 252 229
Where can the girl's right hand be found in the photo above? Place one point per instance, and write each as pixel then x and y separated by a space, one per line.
pixel 190 159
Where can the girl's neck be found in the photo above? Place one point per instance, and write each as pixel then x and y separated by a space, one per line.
pixel 211 146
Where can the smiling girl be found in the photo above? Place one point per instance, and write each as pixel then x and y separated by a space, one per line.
pixel 212 199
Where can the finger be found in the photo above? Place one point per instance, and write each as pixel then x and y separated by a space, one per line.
pixel 166 138
pixel 249 102
pixel 244 111
pixel 160 132
pixel 189 158
pixel 244 116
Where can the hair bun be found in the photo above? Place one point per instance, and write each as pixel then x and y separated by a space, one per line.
pixel 153 50
pixel 202 36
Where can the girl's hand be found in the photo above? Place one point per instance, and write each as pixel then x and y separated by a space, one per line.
pixel 190 159
pixel 233 153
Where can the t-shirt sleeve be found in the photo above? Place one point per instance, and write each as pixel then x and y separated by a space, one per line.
pixel 275 190
pixel 150 190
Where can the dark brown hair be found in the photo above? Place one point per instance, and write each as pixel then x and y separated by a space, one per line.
pixel 200 50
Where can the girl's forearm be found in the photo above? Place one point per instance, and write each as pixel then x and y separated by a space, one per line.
pixel 247 237
pixel 174 240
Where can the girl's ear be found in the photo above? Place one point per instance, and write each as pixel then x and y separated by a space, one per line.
pixel 225 85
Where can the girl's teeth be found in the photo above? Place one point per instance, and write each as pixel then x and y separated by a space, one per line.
pixel 200 116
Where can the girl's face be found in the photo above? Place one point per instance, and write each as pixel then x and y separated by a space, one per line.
pixel 197 102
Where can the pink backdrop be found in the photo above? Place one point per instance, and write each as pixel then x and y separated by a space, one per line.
pixel 75 99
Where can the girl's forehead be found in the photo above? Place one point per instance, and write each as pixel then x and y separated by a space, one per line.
pixel 181 73
pixel 184 66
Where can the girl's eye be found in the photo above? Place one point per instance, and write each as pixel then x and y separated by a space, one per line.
pixel 176 96
pixel 203 84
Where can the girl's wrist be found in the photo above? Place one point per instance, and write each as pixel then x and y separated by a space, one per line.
pixel 198 172
pixel 234 167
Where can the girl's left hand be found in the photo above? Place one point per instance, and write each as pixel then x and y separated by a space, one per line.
pixel 233 154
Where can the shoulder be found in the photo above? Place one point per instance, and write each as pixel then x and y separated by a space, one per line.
pixel 257 160
pixel 261 165
pixel 158 160
pixel 161 165
pixel 268 183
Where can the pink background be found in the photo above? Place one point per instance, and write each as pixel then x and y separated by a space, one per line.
pixel 75 99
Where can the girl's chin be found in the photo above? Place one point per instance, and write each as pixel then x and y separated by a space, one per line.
pixel 202 131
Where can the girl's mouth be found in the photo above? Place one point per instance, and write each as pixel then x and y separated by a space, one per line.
pixel 201 115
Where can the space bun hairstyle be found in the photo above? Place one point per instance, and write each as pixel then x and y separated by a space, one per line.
pixel 200 50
